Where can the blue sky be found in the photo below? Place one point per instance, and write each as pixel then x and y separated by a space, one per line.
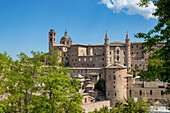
pixel 24 24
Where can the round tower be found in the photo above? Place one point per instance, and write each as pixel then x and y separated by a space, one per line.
pixel 128 54
pixel 107 50
pixel 66 40
pixel 52 38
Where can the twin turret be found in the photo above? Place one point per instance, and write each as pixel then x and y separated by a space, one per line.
pixel 127 53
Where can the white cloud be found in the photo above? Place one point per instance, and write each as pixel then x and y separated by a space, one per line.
pixel 130 7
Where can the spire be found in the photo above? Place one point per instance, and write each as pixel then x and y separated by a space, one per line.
pixel 106 37
pixel 127 36
pixel 65 32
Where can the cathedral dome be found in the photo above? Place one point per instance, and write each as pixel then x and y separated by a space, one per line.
pixel 65 37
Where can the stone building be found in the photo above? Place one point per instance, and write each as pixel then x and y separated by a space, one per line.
pixel 110 61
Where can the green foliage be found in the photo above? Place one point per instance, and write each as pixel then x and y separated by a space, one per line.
pixel 100 85
pixel 35 87
pixel 159 64
pixel 130 106
pixel 135 71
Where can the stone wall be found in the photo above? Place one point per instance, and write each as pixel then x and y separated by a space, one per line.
pixel 97 105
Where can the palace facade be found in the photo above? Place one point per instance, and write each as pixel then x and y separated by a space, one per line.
pixel 112 62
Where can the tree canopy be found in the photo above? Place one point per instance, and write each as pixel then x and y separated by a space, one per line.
pixel 159 63
pixel 30 85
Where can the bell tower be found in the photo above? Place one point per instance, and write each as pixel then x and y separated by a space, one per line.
pixel 52 38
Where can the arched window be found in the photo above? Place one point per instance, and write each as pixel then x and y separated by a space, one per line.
pixel 67 43
pixel 117 58
pixel 50 39
pixel 117 51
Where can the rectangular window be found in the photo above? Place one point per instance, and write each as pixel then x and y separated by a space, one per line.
pixel 150 92
pixel 84 59
pixel 79 59
pixel 96 58
pixel 140 92
pixel 85 100
pixel 161 87
pixel 130 93
pixel 110 58
pixel 114 77
pixel 90 59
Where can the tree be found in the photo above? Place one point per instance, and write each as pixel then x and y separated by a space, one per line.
pixel 18 81
pixel 130 106
pixel 159 63
pixel 33 86
pixel 100 85
pixel 60 91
